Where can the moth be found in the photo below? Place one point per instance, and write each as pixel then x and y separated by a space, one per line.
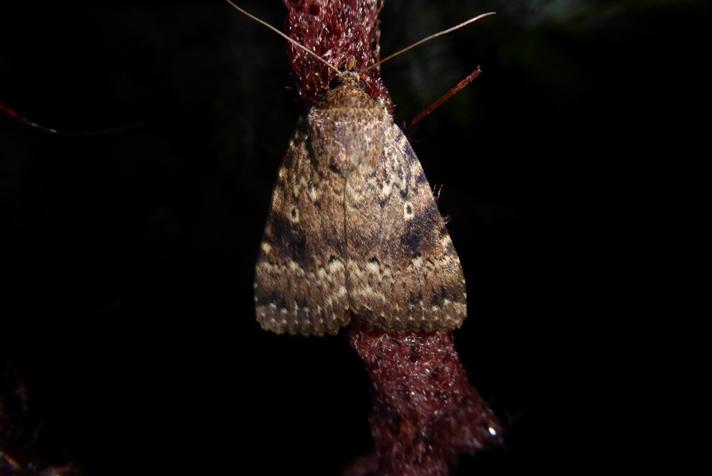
pixel 354 231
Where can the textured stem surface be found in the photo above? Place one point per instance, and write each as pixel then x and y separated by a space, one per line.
pixel 425 412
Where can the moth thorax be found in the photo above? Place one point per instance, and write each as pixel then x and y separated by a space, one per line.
pixel 345 138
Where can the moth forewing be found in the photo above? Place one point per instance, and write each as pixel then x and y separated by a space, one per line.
pixel 300 277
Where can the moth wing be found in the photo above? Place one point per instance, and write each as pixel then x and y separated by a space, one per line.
pixel 403 272
pixel 300 280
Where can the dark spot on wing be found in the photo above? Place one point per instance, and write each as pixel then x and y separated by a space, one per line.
pixel 411 239
pixel 290 236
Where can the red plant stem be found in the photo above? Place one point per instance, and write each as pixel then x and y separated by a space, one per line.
pixel 425 412
pixel 340 31
pixel 441 100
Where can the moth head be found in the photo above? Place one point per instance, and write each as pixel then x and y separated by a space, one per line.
pixel 348 78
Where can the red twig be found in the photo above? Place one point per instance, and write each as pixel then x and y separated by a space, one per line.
pixel 441 100
pixel 22 119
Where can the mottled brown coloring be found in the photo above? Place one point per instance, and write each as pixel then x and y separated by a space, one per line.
pixel 354 229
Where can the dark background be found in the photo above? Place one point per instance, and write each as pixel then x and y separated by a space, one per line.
pixel 128 257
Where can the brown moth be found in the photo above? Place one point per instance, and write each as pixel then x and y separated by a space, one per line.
pixel 354 229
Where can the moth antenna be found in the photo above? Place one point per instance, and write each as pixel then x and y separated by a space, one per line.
pixel 428 38
pixel 294 42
